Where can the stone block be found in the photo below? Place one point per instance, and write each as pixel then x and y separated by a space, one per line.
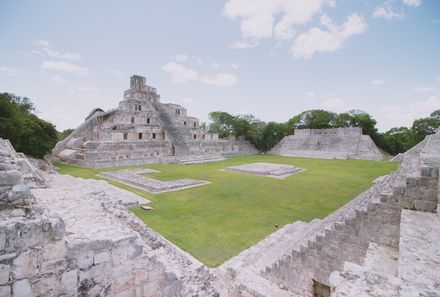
pixel 53 266
pixel 10 178
pixel 421 205
pixel 85 259
pixel 4 273
pixel 5 291
pixel 2 240
pixel 102 257
pixel 69 280
pixel 54 250
pixel 24 265
pixel 48 285
pixel 21 288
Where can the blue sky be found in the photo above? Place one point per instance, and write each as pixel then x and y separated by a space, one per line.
pixel 272 59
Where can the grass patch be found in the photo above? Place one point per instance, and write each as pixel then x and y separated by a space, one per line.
pixel 217 221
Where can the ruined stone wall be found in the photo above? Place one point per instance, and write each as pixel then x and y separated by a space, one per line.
pixel 345 235
pixel 353 131
pixel 76 238
pixel 337 143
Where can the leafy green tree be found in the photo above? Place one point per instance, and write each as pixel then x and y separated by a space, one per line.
pixel 221 123
pixel 27 133
pixel 62 135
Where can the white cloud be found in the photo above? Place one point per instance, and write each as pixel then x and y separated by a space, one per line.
pixel 377 82
pixel 259 18
pixel 181 58
pixel 87 91
pixel 335 104
pixel 386 11
pixel 116 73
pixel 329 40
pixel 9 71
pixel 182 75
pixel 238 44
pixel 220 79
pixel 199 61
pixel 414 3
pixel 215 65
pixel 407 113
pixel 425 89
pixel 41 42
pixel 310 94
pixel 64 66
pixel 58 79
pixel 236 66
pixel 45 47
pixel 188 100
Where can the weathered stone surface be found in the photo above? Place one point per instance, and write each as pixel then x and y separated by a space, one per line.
pixel 4 273
pixel 266 169
pixel 5 291
pixel 10 178
pixel 24 265
pixel 69 280
pixel 21 288
pixel 337 143
pixel 133 177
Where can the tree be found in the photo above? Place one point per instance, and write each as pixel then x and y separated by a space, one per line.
pixel 221 123
pixel 62 135
pixel 398 140
pixel 27 133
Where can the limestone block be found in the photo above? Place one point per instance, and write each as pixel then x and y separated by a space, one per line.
pixel 85 259
pixel 21 288
pixel 2 240
pixel 24 265
pixel 53 266
pixel 69 280
pixel 10 178
pixel 47 286
pixel 425 205
pixel 4 273
pixel 57 228
pixel 5 291
pixel 54 250
pixel 102 257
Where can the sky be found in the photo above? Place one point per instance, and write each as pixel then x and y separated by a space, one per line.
pixel 270 58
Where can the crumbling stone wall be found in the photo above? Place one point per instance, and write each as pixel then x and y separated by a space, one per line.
pixel 48 252
pixel 374 216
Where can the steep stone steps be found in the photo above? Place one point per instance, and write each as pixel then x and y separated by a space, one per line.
pixel 381 259
pixel 175 131
pixel 419 254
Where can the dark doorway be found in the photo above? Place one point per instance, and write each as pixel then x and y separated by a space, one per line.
pixel 320 290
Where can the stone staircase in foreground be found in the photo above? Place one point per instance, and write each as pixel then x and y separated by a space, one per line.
pixel 409 271
pixel 366 239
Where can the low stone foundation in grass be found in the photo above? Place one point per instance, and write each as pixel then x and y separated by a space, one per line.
pixel 274 170
pixel 133 177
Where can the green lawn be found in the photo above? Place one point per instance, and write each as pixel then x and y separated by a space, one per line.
pixel 217 221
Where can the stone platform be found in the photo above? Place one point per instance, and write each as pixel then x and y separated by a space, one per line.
pixel 133 178
pixel 279 171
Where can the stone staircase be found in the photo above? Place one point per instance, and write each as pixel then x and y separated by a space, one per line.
pixel 411 270
pixel 176 132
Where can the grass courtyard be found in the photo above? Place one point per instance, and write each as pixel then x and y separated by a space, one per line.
pixel 217 221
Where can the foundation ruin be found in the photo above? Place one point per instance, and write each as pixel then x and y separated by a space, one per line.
pixel 142 130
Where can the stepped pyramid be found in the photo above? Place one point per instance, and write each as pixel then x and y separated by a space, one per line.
pixel 142 130
pixel 336 143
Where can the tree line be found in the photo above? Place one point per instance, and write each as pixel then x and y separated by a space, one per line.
pixel 36 137
pixel 266 135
